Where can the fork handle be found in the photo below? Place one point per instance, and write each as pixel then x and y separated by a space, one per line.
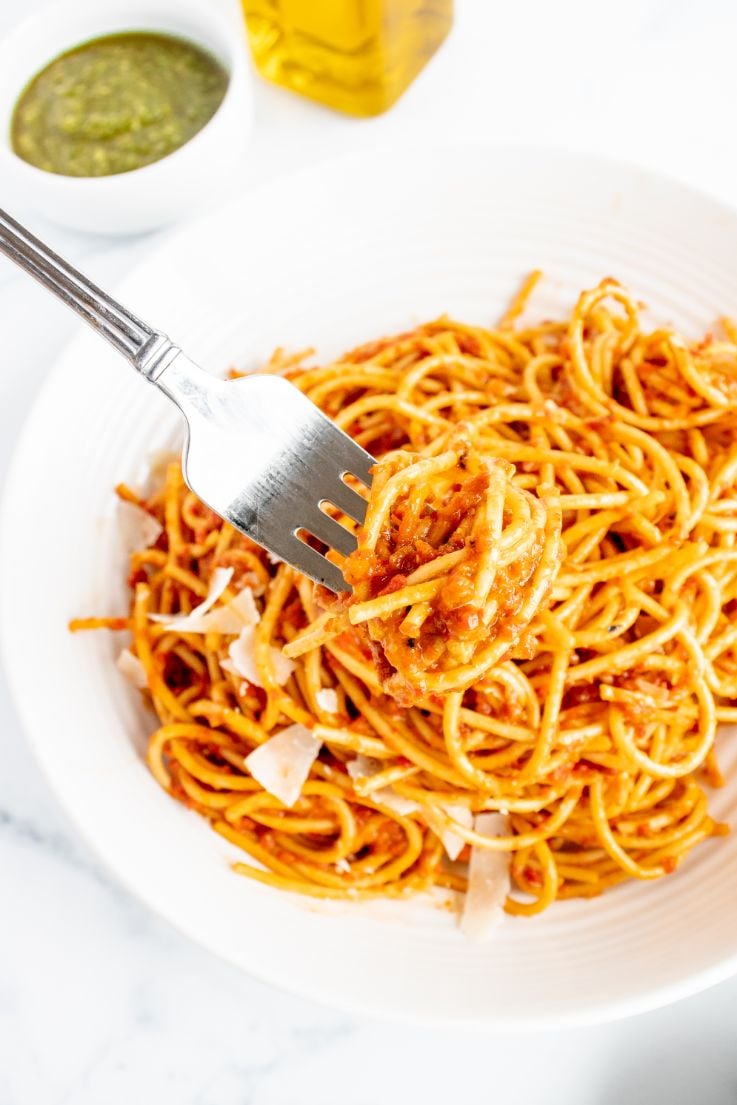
pixel 149 351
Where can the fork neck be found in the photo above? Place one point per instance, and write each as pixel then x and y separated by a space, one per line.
pixel 155 356
pixel 189 386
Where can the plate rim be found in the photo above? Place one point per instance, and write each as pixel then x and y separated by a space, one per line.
pixel 592 1012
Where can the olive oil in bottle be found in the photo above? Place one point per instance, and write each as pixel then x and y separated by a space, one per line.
pixel 354 55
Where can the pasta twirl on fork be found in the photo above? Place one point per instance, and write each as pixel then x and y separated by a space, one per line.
pixel 554 524
pixel 453 563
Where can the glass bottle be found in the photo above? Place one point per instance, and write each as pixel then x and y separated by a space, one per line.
pixel 355 55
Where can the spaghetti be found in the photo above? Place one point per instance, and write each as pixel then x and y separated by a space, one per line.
pixel 453 563
pixel 580 724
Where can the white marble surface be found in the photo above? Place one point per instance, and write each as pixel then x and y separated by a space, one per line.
pixel 103 1004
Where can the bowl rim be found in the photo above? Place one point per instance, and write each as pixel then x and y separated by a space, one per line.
pixel 602 1012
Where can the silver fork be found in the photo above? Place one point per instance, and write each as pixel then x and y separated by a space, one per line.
pixel 257 451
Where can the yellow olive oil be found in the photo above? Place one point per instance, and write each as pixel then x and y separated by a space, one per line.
pixel 357 56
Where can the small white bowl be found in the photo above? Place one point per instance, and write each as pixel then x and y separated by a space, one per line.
pixel 158 193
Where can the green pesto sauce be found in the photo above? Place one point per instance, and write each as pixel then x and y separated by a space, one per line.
pixel 116 103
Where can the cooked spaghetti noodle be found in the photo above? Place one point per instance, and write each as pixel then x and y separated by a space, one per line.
pixel 590 731
pixel 453 563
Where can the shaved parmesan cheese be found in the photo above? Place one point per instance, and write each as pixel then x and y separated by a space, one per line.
pixel 282 764
pixel 388 797
pixel 488 880
pixel 327 700
pixel 187 623
pixel 452 842
pixel 132 669
pixel 244 606
pixel 138 529
pixel 229 666
pixel 234 616
pixel 219 580
pixel 363 767
pixel 230 619
pixel 273 558
pixel 242 654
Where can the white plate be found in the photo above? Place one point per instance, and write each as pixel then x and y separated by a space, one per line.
pixel 332 257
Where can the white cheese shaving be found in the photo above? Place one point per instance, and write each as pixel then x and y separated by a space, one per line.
pixel 234 616
pixel 242 654
pixel 282 764
pixel 227 665
pixel 452 842
pixel 132 669
pixel 488 880
pixel 219 580
pixel 138 529
pixel 229 619
pixel 327 700
pixel 388 797
pixel 363 767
